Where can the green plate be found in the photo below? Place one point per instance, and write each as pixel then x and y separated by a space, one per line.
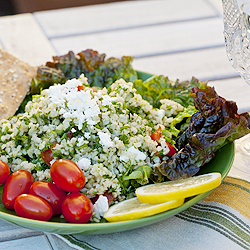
pixel 220 163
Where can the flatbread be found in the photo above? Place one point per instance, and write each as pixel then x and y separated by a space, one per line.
pixel 15 80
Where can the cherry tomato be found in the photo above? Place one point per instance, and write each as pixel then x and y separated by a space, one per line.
pixel 32 207
pixel 77 208
pixel 47 155
pixel 67 175
pixel 155 136
pixel 49 192
pixel 18 183
pixel 171 149
pixel 4 172
pixel 109 196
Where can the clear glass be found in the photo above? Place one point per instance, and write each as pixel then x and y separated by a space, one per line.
pixel 237 36
pixel 236 15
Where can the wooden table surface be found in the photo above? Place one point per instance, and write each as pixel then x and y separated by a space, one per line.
pixel 176 38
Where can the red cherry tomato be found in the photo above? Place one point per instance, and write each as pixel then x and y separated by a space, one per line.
pixel 32 207
pixel 18 183
pixel 77 208
pixel 171 149
pixel 155 136
pixel 67 175
pixel 49 192
pixel 47 155
pixel 4 172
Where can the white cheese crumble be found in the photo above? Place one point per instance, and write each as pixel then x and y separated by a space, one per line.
pixel 87 135
pixel 133 153
pixel 107 100
pixel 73 130
pixel 105 139
pixel 101 206
pixel 81 105
pixel 84 164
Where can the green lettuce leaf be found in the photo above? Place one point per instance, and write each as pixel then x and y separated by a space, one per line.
pixel 181 121
pixel 141 175
pixel 160 87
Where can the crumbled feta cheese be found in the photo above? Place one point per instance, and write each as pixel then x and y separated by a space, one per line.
pixel 81 141
pixel 161 113
pixel 81 105
pixel 84 164
pixel 87 135
pixel 133 153
pixel 83 79
pixel 105 139
pixel 101 206
pixel 107 100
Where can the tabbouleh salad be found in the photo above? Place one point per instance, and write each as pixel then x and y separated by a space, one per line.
pixel 107 132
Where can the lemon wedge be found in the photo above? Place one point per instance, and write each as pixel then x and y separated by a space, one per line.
pixel 133 209
pixel 170 190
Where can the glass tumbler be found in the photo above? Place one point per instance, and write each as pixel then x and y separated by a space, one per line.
pixel 236 17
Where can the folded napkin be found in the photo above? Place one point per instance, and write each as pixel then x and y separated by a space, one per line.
pixel 219 221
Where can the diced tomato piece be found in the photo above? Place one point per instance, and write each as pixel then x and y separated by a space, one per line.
pixel 171 149
pixel 47 155
pixel 79 88
pixel 69 134
pixel 155 136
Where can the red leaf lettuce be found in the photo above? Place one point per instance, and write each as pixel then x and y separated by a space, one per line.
pixel 214 125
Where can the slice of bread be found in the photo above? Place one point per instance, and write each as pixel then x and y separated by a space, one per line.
pixel 15 80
